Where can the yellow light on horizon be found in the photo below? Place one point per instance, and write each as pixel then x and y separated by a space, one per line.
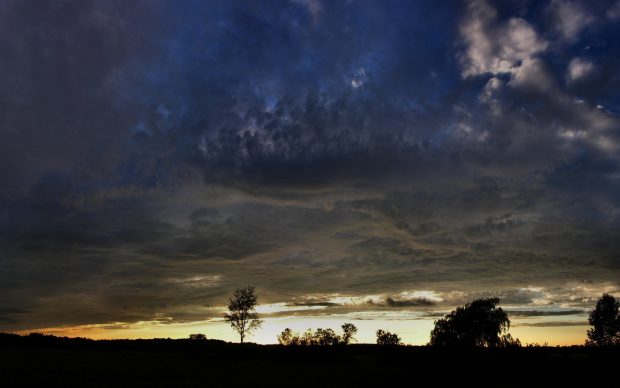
pixel 412 331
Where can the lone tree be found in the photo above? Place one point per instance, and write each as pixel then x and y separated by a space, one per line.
pixel 605 322
pixel 477 324
pixel 387 338
pixel 348 333
pixel 241 311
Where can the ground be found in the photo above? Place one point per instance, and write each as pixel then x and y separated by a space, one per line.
pixel 183 363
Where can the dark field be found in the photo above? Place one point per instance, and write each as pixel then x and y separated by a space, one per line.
pixel 183 363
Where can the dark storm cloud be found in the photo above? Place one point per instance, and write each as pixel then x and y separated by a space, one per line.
pixel 552 324
pixel 520 314
pixel 155 155
pixel 316 304
pixel 408 302
pixel 539 313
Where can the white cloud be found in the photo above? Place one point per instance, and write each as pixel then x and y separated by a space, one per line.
pixel 570 18
pixel 508 52
pixel 489 95
pixel 197 281
pixel 595 126
pixel 493 47
pixel 519 41
pixel 578 68
pixel 532 74
pixel 490 88
pixel 477 59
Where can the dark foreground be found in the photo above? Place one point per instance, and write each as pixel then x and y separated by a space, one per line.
pixel 51 361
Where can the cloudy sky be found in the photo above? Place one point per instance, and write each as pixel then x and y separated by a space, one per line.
pixel 378 162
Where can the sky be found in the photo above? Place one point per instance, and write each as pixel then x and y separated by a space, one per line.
pixel 374 162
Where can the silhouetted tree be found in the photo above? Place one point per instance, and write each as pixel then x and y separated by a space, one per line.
pixel 506 341
pixel 198 337
pixel 387 338
pixel 322 337
pixel 605 321
pixel 479 323
pixel 308 338
pixel 348 333
pixel 287 337
pixel 326 337
pixel 242 315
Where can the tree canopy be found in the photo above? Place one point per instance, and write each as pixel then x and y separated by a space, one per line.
pixel 241 311
pixel 387 338
pixel 348 333
pixel 322 337
pixel 477 324
pixel 605 321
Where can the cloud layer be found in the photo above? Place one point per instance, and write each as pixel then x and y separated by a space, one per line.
pixel 156 155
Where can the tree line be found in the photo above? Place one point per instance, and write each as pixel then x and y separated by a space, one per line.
pixel 319 337
pixel 480 323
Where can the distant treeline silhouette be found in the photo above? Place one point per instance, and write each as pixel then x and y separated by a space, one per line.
pixel 40 340
pixel 323 337
pixel 480 323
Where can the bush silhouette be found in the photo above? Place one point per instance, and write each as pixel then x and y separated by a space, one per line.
pixel 605 321
pixel 198 337
pixel 477 324
pixel 387 338
pixel 320 337
pixel 326 337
